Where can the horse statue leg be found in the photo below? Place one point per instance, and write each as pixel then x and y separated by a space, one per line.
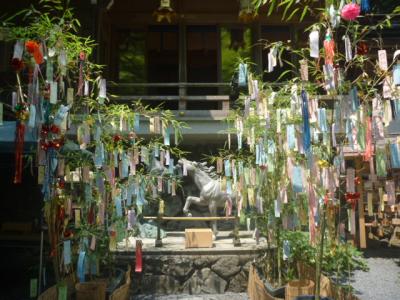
pixel 213 212
pixel 189 201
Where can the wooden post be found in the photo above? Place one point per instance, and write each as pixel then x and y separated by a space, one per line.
pixel 236 239
pixel 361 219
pixel 158 242
pixel 182 65
pixel 257 48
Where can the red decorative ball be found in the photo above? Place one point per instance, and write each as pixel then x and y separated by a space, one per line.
pixel 55 129
pixel 362 48
pixel 117 138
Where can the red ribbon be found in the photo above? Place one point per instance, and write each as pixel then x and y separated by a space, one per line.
pixel 139 258
pixel 19 149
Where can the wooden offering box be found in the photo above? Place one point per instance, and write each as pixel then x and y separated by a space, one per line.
pixel 198 238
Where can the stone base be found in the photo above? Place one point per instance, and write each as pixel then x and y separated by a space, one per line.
pixel 194 271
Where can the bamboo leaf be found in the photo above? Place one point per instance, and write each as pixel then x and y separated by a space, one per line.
pixel 272 6
pixel 293 13
pixel 289 4
pixel 304 12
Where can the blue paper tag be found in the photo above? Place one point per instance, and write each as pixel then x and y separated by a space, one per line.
pixel 242 77
pixel 228 186
pixel 124 165
pixel 136 118
pixel 99 155
pixel 297 180
pixel 115 156
pixel 291 137
pixel 97 133
pixel 394 155
pixel 396 74
pixel 81 266
pixel 88 192
pixel 227 165
pixel 67 252
pixel 167 136
pixel 322 120
pixel 171 166
pixel 118 205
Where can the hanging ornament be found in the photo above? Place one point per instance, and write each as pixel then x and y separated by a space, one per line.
pixel 350 11
pixel 34 48
pixel 365 6
pixel 362 48
pixel 352 199
pixel 329 47
pixel 165 11
pixel 247 12
pixel 138 256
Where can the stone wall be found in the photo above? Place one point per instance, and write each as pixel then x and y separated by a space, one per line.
pixel 193 273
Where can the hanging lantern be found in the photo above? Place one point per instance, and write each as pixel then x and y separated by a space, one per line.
pixel 247 12
pixel 165 12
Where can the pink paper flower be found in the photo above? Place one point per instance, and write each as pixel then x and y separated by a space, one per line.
pixel 350 11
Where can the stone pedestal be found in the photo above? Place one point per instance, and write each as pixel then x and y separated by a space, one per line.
pixel 176 270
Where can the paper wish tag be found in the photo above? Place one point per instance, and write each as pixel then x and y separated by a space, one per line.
pixel 53 92
pixel 242 77
pixel 18 50
pixel 70 95
pixel 304 70
pixel 314 43
pixel 102 90
pixel 93 243
pixel 370 204
pixel 382 57
pixel 67 252
pixel 347 45
pixel 386 88
pixel 396 74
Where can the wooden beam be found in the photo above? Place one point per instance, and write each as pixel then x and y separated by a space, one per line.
pixel 190 218
pixel 173 98
pixel 112 84
pixel 361 219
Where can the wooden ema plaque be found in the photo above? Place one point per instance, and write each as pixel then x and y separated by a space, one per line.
pixel 198 238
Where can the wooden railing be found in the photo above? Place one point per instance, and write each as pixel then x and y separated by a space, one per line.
pixel 159 218
pixel 123 94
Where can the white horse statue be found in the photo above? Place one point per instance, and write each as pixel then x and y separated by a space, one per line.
pixel 210 190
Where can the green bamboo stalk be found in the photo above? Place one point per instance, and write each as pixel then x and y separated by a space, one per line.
pixel 318 262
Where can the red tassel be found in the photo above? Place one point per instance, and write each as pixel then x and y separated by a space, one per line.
pixel 19 149
pixel 138 266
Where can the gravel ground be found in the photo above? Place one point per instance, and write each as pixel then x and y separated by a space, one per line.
pixel 226 296
pixel 382 281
